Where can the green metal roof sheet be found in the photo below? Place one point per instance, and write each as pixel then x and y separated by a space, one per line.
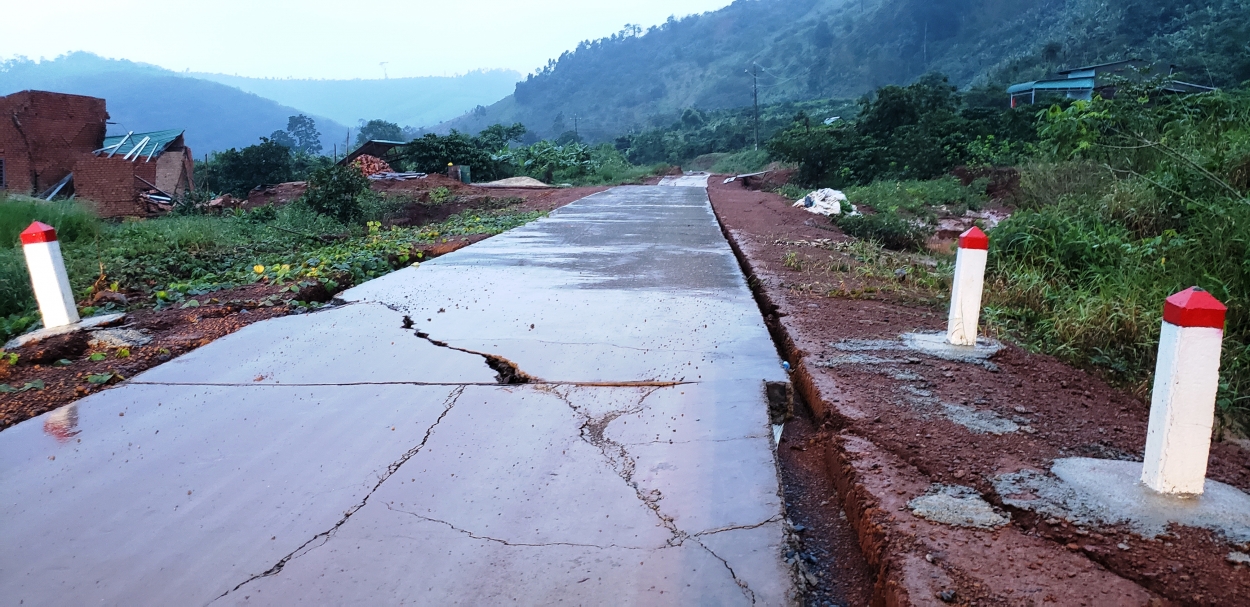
pixel 156 143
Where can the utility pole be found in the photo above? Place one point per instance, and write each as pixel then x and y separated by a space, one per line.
pixel 576 135
pixel 755 100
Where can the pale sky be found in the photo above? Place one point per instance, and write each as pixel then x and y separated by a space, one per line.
pixel 326 39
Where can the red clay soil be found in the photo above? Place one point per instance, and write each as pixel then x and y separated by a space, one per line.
pixel 882 452
pixel 174 331
pixel 463 196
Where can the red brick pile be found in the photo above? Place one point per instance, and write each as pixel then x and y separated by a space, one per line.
pixel 371 165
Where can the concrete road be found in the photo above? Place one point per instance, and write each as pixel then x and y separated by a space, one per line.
pixel 369 453
pixel 696 179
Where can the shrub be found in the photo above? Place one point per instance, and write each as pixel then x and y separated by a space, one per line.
pixel 890 229
pixel 335 191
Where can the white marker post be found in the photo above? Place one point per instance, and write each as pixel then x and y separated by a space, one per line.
pixel 969 282
pixel 1182 407
pixel 48 277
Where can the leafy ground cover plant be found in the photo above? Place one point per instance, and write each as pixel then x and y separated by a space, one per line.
pixel 174 259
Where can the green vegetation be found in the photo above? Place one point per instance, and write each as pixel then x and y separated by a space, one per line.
pixel 236 172
pixel 1132 200
pixel 176 259
pixel 808 49
pixel 694 133
pixel 379 129
pixel 1120 203
pixel 301 135
pixel 336 191
pixel 920 131
pixel 432 153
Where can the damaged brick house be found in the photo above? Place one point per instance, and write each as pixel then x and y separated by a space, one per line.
pixel 53 145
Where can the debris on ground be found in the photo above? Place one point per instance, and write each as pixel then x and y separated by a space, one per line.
pixel 118 338
pixel 371 165
pixel 391 176
pixel 515 182
pixel 958 506
pixel 825 202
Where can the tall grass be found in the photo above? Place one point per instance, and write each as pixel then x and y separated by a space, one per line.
pixel 72 221
pixel 1082 273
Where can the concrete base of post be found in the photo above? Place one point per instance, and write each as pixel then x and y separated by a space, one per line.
pixel 1103 493
pixel 936 345
pixel 86 324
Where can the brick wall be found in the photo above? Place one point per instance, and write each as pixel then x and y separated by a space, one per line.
pixel 108 185
pixel 43 135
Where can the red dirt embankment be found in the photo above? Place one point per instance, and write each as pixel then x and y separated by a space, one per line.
pixel 882 447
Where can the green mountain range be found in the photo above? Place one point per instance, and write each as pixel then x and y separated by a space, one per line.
pixel 414 102
pixel 144 98
pixel 808 49
pixel 220 112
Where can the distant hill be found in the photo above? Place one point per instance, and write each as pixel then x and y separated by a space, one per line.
pixel 808 49
pixel 415 102
pixel 147 98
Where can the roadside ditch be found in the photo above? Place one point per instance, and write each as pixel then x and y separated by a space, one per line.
pixel 911 454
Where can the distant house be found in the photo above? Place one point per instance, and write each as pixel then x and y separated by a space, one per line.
pixel 53 145
pixel 1083 82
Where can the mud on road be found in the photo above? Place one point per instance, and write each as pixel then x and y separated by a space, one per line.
pixel 893 425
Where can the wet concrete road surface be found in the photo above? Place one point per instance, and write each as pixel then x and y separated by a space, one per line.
pixel 342 458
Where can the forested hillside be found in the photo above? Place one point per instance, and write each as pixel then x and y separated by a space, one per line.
pixel 808 49
pixel 148 98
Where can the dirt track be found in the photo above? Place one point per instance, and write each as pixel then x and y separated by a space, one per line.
pixel 884 445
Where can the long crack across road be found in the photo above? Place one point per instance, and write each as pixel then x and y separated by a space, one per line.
pixel 506 371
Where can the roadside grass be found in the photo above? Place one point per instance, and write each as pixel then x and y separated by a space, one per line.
pixel 902 215
pixel 72 221
pixel 747 161
pixel 864 269
pixel 163 261
pixel 1081 272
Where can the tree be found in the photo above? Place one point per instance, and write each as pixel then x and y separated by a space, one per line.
pixel 379 129
pixel 432 153
pixel 238 171
pixel 335 190
pixel 284 139
pixel 304 131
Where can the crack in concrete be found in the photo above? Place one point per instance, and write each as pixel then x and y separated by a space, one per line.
pixel 700 440
pixel 521 544
pixel 742 585
pixel 618 457
pixel 325 536
pixel 578 384
pixel 739 527
pixel 506 371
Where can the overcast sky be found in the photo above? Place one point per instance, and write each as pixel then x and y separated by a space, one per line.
pixel 326 39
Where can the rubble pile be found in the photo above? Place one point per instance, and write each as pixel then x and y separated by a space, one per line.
pixel 370 165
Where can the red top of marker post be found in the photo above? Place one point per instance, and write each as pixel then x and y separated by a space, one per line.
pixel 974 238
pixel 1194 307
pixel 38 232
